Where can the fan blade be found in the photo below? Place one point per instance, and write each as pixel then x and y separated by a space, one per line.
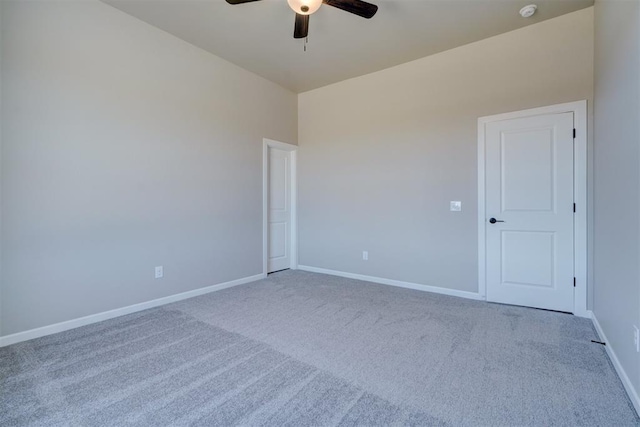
pixel 301 29
pixel 357 7
pixel 240 1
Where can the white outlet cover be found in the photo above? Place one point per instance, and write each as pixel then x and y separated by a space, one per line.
pixel 159 272
pixel 365 255
pixel 455 206
pixel 636 338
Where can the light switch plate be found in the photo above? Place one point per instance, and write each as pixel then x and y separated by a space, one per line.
pixel 455 206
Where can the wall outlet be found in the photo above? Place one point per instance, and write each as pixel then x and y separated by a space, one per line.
pixel 365 255
pixel 636 338
pixel 455 206
pixel 159 272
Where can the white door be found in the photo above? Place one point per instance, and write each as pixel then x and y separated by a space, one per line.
pixel 530 211
pixel 279 210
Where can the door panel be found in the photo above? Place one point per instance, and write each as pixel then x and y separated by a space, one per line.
pixel 529 186
pixel 528 258
pixel 278 240
pixel 527 171
pixel 279 208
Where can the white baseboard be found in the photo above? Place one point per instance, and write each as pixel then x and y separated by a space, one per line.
pixel 628 386
pixel 105 315
pixel 391 282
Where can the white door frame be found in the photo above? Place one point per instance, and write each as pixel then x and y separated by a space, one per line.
pixel 266 144
pixel 579 110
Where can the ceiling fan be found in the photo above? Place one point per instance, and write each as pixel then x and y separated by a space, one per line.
pixel 304 8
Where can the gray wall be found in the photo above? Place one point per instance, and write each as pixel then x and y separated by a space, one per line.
pixel 382 155
pixel 617 178
pixel 1 132
pixel 124 148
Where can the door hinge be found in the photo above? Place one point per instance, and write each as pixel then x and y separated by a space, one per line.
pixel 574 208
pixel 574 133
pixel 574 282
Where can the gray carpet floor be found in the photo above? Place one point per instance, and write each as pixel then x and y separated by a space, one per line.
pixel 304 349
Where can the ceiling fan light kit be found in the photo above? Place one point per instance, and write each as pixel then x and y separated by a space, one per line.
pixel 304 8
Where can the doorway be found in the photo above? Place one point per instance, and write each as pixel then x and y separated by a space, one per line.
pixel 532 208
pixel 279 206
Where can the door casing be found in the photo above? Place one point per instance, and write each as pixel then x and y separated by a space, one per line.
pixel 579 110
pixel 266 144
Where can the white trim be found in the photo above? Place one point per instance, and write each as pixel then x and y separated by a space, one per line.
pixel 391 282
pixel 105 315
pixel 580 264
pixel 482 229
pixel 266 144
pixel 628 386
pixel 579 110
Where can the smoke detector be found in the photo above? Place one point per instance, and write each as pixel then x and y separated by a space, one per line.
pixel 528 11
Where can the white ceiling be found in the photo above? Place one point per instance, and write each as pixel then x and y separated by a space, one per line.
pixel 258 36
